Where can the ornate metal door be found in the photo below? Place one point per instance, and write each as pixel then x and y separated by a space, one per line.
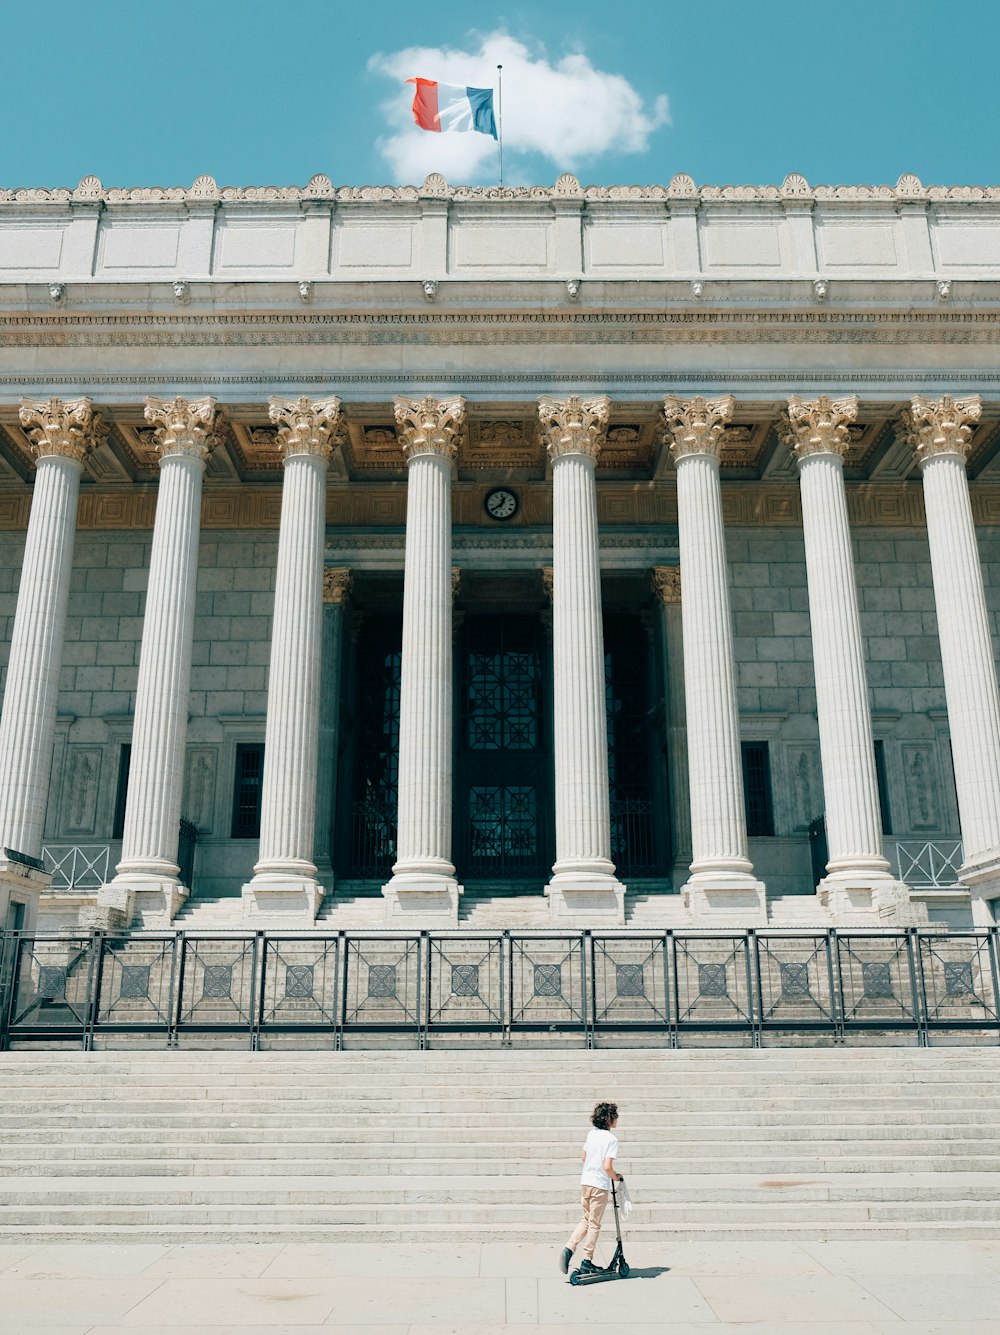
pixel 503 787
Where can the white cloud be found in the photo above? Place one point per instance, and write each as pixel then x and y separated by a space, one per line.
pixel 569 111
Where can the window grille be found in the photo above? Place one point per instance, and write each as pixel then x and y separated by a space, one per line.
pixel 247 790
pixel 124 764
pixel 757 788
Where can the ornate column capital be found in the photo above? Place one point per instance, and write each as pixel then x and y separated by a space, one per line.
pixel 337 584
pixel 183 426
pixel 940 426
pixel 696 425
pixel 665 582
pixel 305 426
pixel 429 426
pixel 819 426
pixel 574 425
pixel 68 428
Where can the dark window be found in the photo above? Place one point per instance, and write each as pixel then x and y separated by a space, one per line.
pixel 246 790
pixel 124 763
pixel 883 787
pixel 757 788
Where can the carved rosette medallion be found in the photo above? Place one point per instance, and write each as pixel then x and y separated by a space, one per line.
pixel 183 427
pixel 429 426
pixel 940 426
pixel 819 426
pixel 305 426
pixel 66 428
pixel 337 584
pixel 666 583
pixel 696 426
pixel 574 425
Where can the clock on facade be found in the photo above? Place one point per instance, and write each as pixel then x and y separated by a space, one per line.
pixel 502 503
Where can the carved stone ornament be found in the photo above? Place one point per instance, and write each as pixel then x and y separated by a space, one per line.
pixel 666 583
pixel 183 426
pixel 69 428
pixel 574 425
pixel 305 426
pixel 337 584
pixel 456 582
pixel 695 426
pixel 429 426
pixel 819 426
pixel 940 426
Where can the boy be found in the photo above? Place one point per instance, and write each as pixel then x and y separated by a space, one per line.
pixel 598 1157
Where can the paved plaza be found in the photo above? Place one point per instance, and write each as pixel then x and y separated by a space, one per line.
pixel 806 1288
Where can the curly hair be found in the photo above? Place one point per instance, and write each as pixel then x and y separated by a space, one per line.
pixel 603 1115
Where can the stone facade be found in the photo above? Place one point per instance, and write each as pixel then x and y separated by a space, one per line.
pixel 789 392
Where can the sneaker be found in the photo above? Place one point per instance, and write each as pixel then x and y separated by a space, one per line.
pixel 564 1260
pixel 588 1267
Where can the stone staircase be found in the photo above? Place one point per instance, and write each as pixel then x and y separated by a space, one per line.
pixel 402 1146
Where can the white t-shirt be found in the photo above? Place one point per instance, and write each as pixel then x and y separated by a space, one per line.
pixel 599 1146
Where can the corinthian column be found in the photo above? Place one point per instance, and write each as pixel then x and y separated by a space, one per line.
pixel 148 863
pixel 423 877
pixel 62 435
pixel 583 876
pixel 721 873
pixel 940 431
pixel 818 435
pixel 284 880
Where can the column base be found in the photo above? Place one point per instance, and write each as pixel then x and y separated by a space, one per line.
pixel 21 884
pixel 981 874
pixel 721 899
pixel 586 899
pixel 421 899
pixel 857 899
pixel 293 899
pixel 152 901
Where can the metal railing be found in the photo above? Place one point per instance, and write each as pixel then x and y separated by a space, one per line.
pixel 932 864
pixel 592 987
pixel 77 866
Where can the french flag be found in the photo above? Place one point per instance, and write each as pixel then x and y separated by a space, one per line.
pixel 448 107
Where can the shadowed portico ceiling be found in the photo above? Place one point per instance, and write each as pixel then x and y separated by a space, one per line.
pixel 498 441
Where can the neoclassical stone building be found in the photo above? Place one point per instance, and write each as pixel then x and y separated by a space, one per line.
pixel 610 555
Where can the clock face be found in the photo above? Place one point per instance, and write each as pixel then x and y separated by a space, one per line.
pixel 501 503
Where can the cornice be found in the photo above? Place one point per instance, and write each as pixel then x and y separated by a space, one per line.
pixel 795 189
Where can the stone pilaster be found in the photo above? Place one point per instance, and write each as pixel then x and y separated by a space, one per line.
pixel 337 583
pixel 583 882
pixel 722 880
pixel 940 431
pixel 858 879
pixel 284 882
pixel 423 876
pixel 148 873
pixel 62 435
pixel 666 585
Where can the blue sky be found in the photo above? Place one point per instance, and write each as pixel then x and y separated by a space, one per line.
pixel 256 92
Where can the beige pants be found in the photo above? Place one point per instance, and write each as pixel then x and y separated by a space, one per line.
pixel 593 1200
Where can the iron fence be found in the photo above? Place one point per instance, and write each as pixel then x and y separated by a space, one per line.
pixel 593 987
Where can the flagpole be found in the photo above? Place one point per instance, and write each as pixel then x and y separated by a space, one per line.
pixel 500 116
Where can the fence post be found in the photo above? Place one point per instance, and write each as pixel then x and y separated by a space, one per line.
pixel 837 982
pixel 507 984
pixel 257 991
pixel 923 1037
pixel 9 948
pixel 424 950
pixel 993 950
pixel 95 973
pixel 753 1014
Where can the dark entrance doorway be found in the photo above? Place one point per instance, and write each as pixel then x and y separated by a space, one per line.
pixel 503 785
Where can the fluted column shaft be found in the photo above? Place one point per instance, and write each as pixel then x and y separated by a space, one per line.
pixel 853 816
pixel 970 679
pixel 580 733
pixel 288 797
pixel 27 727
pixel 718 820
pixel 159 731
pixel 425 706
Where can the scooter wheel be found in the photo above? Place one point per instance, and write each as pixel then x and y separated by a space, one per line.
pixel 624 1270
pixel 574 1277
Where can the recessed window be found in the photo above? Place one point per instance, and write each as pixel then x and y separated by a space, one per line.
pixel 757 788
pixel 124 764
pixel 882 777
pixel 247 790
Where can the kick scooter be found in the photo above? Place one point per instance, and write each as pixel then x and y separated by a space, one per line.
pixel 619 1267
